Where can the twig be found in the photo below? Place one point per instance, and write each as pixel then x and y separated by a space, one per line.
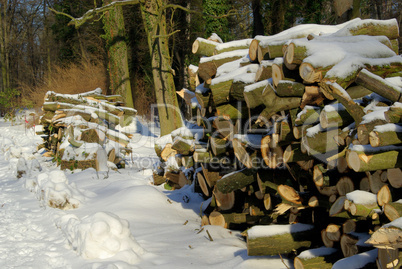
pixel 283 261
pixel 209 235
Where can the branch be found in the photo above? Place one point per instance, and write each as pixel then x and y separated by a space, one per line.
pixel 78 22
pixel 165 36
pixel 231 12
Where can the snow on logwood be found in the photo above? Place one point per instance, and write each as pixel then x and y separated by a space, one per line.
pixel 377 114
pixel 230 54
pixel 362 197
pixel 369 149
pixel 389 127
pixel 252 68
pixel 271 230
pixel 395 224
pixel 357 261
pixel 256 85
pixel 301 30
pixel 316 252
pixel 234 43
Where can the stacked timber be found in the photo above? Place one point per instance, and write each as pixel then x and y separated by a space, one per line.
pixel 297 139
pixel 82 130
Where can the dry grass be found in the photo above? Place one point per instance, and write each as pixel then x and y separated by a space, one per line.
pixel 71 79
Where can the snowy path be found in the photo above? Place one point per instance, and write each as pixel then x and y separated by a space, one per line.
pixel 28 236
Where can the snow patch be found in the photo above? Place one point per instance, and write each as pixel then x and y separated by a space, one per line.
pixel 102 235
pixel 53 190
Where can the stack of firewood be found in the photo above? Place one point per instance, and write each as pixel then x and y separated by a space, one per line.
pixel 79 130
pixel 300 130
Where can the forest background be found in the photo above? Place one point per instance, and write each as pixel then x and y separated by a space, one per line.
pixel 39 51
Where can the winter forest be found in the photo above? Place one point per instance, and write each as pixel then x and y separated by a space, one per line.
pixel 203 133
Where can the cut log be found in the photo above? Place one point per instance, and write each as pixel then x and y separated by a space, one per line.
pixel 378 85
pixel 375 181
pixel 203 185
pixel 393 211
pixel 220 91
pixel 312 96
pixel 167 152
pixel 232 111
pixel 272 156
pixel 92 136
pixel 388 195
pixel 311 74
pixel 203 47
pixel 252 93
pixel 183 146
pixel 384 135
pixel 345 185
pixel 293 153
pixel 245 151
pixel 264 72
pixel 183 180
pixel 321 142
pixel 281 72
pixel 286 238
pixel 365 128
pixel 273 103
pixel 224 127
pixel 230 220
pixel 363 210
pixel 338 206
pixel 287 88
pixel 389 258
pixel 224 201
pixel 236 180
pixel 394 176
pixel 343 97
pixel 388 237
pixel 308 116
pixel 379 66
pixel 394 114
pixel 349 226
pixel 365 159
pixel 289 195
pixel 333 232
pixel 253 51
pixel 210 177
pixel 335 116
pixel 348 245
pixel 158 179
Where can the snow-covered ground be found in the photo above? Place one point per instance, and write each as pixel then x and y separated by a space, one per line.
pixel 114 219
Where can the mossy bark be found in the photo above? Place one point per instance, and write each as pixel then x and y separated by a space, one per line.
pixel 119 77
pixel 154 18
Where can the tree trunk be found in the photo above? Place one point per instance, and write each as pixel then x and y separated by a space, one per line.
pixel 154 18
pixel 4 62
pixel 119 76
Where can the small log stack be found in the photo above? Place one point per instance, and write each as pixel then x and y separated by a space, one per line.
pixel 79 130
pixel 304 129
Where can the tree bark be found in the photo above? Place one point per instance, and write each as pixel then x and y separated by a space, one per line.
pixel 154 18
pixel 117 50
